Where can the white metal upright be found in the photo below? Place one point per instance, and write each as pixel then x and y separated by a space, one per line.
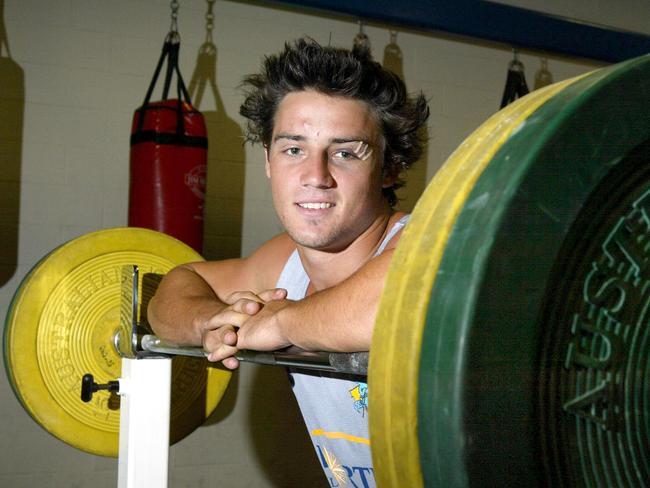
pixel 145 390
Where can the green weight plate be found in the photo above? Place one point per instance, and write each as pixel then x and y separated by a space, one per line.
pixel 595 388
pixel 394 361
pixel 534 362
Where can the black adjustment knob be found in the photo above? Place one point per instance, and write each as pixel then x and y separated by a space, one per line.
pixel 88 387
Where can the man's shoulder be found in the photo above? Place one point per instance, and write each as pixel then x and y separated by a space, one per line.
pixel 269 259
pixel 394 229
pixel 398 217
pixel 278 248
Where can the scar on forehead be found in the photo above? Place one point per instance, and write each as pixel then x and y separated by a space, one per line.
pixel 363 150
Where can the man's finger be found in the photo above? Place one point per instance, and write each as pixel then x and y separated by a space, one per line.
pixel 273 294
pixel 228 317
pixel 222 352
pixel 221 337
pixel 220 343
pixel 230 338
pixel 246 306
pixel 231 363
pixel 241 295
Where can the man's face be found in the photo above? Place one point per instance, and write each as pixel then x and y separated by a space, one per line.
pixel 324 163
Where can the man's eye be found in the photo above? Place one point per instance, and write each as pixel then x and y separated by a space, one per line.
pixel 292 151
pixel 343 154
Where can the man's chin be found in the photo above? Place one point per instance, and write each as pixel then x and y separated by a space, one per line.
pixel 313 243
pixel 321 242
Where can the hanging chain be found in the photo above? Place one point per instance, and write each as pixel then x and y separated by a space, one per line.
pixel 173 36
pixel 515 64
pixel 361 43
pixel 174 24
pixel 392 49
pixel 543 77
pixel 209 22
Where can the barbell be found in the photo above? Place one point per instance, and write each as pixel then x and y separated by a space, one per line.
pixel 511 346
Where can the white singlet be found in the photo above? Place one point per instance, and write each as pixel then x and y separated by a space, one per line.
pixel 334 406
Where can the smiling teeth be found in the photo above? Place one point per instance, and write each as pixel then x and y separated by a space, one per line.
pixel 315 205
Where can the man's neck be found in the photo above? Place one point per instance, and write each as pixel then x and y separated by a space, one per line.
pixel 326 269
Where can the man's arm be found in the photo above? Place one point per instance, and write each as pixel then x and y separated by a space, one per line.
pixel 343 315
pixel 180 302
pixel 213 297
pixel 340 318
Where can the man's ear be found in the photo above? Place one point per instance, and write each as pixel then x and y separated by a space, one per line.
pixel 388 181
pixel 267 166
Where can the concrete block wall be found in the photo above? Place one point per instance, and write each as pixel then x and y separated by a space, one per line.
pixel 74 72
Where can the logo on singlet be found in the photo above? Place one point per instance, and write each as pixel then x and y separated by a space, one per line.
pixel 360 396
pixel 341 476
pixel 329 461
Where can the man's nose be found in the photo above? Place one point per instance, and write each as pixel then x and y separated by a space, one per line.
pixel 316 172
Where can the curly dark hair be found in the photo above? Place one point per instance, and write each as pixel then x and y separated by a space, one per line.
pixel 339 72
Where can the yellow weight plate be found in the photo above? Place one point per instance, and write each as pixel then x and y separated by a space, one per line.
pixel 61 325
pixel 397 339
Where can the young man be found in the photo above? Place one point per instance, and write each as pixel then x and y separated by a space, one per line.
pixel 337 131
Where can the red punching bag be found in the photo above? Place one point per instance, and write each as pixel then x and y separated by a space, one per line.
pixel 168 159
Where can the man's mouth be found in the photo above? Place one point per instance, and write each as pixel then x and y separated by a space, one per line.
pixel 315 205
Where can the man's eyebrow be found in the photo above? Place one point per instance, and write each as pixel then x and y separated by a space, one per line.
pixel 291 137
pixel 345 140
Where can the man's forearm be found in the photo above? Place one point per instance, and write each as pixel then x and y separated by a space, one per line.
pixel 340 318
pixel 331 321
pixel 182 302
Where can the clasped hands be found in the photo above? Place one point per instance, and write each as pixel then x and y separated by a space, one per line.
pixel 250 321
